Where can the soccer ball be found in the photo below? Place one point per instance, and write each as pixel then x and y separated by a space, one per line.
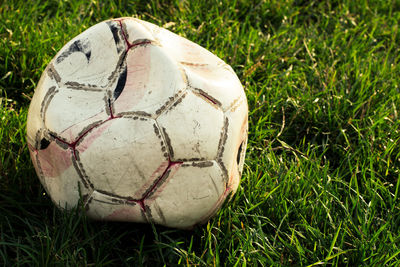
pixel 139 124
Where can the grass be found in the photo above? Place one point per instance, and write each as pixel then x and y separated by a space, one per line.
pixel 321 180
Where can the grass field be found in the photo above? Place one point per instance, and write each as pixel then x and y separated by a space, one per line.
pixel 322 175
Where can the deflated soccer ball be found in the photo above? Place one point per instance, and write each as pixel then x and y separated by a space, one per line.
pixel 140 124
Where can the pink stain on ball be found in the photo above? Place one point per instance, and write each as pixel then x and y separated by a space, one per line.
pixel 92 135
pixel 138 71
pixel 127 214
pixel 54 160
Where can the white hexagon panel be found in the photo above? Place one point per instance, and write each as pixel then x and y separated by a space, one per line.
pixel 192 115
pixel 206 72
pixel 139 124
pixel 83 109
pixel 89 60
pixel 190 196
pixel 123 156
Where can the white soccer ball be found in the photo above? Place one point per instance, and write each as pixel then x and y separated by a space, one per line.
pixel 140 124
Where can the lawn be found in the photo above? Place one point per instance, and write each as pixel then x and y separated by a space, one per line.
pixel 321 179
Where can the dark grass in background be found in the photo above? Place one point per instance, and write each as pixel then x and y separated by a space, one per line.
pixel 321 180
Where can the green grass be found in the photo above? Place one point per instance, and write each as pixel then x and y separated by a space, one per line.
pixel 322 175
